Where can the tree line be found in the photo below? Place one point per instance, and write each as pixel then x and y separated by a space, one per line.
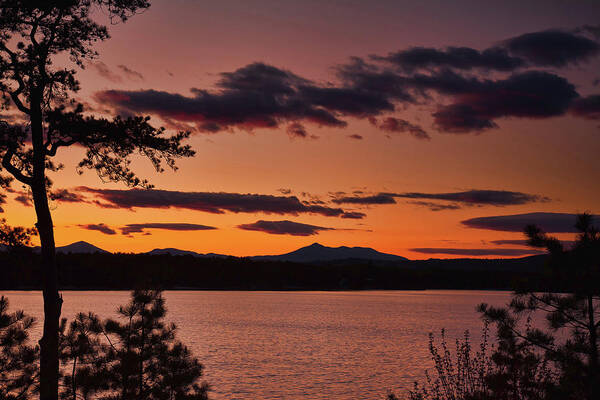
pixel 127 271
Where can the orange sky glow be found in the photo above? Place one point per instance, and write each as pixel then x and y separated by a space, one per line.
pixel 180 46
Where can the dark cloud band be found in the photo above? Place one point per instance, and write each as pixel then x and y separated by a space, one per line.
pixel 548 222
pixel 141 228
pixel 471 197
pixel 284 228
pixel 211 202
pixel 107 230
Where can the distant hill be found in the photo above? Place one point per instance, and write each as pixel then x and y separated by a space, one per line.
pixel 177 252
pixel 318 253
pixel 80 247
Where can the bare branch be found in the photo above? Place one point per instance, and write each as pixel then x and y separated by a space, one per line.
pixel 14 171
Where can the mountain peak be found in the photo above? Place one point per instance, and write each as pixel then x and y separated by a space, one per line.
pixel 80 247
pixel 317 252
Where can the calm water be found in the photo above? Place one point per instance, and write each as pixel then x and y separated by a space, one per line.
pixel 302 345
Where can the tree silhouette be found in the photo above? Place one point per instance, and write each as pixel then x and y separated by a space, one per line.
pixel 135 357
pixel 39 94
pixel 81 355
pixel 571 308
pixel 18 360
pixel 15 238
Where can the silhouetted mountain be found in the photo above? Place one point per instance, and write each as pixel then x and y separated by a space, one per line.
pixel 80 247
pixel 177 252
pixel 319 253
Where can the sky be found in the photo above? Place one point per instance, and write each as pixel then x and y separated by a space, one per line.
pixel 423 129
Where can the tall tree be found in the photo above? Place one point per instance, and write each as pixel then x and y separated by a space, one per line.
pixel 37 86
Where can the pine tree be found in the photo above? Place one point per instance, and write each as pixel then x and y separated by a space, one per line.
pixel 134 357
pixel 18 360
pixel 571 307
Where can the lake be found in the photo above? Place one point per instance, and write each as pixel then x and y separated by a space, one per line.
pixel 301 345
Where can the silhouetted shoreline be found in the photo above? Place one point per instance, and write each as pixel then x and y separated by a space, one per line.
pixel 126 271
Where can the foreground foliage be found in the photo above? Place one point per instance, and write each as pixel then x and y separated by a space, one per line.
pixel 136 356
pixel 569 342
pixel 458 376
pixel 547 340
pixel 133 357
pixel 18 360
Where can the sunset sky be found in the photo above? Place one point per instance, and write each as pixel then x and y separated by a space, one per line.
pixel 402 126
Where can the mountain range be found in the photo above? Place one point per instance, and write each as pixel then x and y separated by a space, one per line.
pixel 177 252
pixel 313 254
pixel 310 254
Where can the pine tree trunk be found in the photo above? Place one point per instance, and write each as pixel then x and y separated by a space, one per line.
pixel 52 301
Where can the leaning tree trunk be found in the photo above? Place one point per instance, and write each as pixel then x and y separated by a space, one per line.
pixel 49 365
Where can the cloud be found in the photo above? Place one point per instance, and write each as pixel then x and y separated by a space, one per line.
pixel 587 107
pixel 254 96
pixel 548 222
pixel 24 198
pixel 284 228
pixel 355 137
pixel 515 242
pixel 141 228
pixel 473 103
pixel 397 125
pixel 463 58
pixel 478 252
pixel 371 78
pixel 296 130
pixel 66 196
pixel 453 82
pixel 531 94
pixel 553 48
pixel 381 198
pixel 497 198
pixel 353 215
pixel 523 242
pixel 435 206
pixel 131 74
pixel 105 72
pixel 211 202
pixel 100 228
pixel 593 29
